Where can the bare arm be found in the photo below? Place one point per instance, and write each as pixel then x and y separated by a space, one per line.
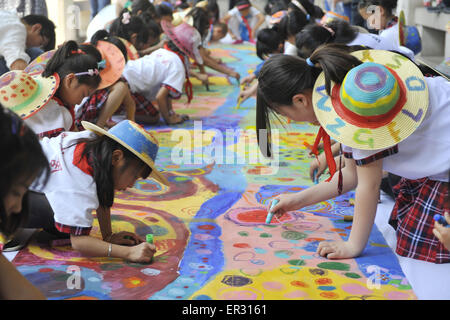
pixel 260 21
pixel 14 286
pixel 366 200
pixel 320 192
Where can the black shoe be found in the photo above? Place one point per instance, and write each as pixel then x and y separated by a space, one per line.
pixel 19 240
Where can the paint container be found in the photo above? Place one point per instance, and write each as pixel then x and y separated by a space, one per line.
pixel 441 220
pixel 149 238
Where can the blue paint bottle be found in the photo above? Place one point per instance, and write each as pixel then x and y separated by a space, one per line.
pixel 441 220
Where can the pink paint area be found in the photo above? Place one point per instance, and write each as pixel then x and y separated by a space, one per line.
pixel 273 286
pixel 356 289
pixel 395 295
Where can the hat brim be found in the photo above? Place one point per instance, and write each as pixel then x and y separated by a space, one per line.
pixel 398 129
pixel 37 66
pixel 168 30
pixel 115 63
pixel 46 90
pixel 99 131
pixel 132 53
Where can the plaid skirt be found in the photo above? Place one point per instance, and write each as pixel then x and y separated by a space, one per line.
pixel 417 201
pixel 90 110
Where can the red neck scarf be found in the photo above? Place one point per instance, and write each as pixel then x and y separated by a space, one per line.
pixel 247 25
pixel 187 84
pixel 322 135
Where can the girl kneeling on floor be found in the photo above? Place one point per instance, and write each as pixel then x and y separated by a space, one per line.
pixel 387 116
pixel 86 170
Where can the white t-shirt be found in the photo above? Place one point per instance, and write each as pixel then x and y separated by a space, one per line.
pixel 71 192
pixel 13 38
pixel 236 19
pixel 380 43
pixel 52 119
pixel 146 75
pixel 426 152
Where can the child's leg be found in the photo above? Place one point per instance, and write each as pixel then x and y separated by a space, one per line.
pixel 145 111
pixel 41 214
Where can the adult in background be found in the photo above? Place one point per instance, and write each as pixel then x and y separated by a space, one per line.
pixel 97 5
pixel 25 7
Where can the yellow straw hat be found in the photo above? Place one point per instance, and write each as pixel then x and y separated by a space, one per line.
pixel 380 102
pixel 136 139
pixel 25 94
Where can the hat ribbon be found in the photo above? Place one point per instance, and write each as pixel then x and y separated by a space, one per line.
pixel 90 72
pixel 323 135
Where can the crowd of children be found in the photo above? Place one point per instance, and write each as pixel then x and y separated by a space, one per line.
pixel 373 103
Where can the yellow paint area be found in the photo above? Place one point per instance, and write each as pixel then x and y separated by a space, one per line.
pixel 291 282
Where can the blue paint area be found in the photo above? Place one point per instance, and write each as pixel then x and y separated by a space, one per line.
pixel 381 256
pixel 326 288
pixel 56 280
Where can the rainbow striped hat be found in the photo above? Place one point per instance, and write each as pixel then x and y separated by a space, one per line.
pixel 380 102
pixel 136 139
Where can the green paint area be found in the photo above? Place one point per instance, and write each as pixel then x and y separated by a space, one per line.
pixel 396 283
pixel 297 262
pixel 110 266
pixel 265 235
pixel 294 235
pixel 334 266
pixel 352 275
pixel 187 111
pixel 243 233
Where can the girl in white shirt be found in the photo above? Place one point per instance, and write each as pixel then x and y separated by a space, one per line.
pixel 163 75
pixel 405 134
pixel 86 169
pixel 78 78
pixel 243 21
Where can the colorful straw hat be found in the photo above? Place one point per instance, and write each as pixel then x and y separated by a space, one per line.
pixel 115 63
pixel 25 94
pixel 380 102
pixel 37 66
pixel 131 50
pixel 277 16
pixel 136 139
pixel 408 35
pixel 330 16
pixel 185 37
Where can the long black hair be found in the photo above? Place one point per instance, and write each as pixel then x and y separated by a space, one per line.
pixel 98 152
pixel 104 35
pixel 140 6
pixel 315 35
pixel 134 26
pixel 22 159
pixel 293 22
pixel 47 31
pixel 201 20
pixel 284 76
pixel 70 59
pixel 268 41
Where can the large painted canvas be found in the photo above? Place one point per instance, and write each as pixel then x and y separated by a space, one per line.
pixel 209 225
